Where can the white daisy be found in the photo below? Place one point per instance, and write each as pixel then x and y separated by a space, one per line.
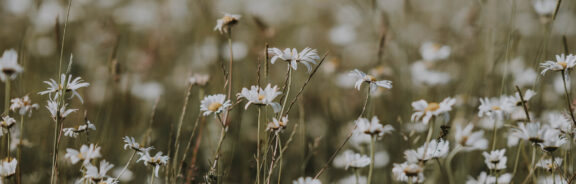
pixel 352 179
pixel 277 125
pixel 58 112
pixel 68 85
pixel 349 159
pixel 155 161
pixel 199 79
pixel 362 77
pixel 484 178
pixel 495 160
pixel 214 104
pixel 407 171
pixel 554 179
pixel 9 65
pixel 372 127
pixel 8 167
pixel 132 144
pixel 306 180
pixel 75 131
pixel 435 149
pixel 424 111
pixel 225 23
pixel 544 7
pixel 433 51
pixel 549 165
pixel 7 122
pixel 96 174
pixel 560 121
pixel 307 56
pixel 552 140
pixel 562 63
pixel 470 140
pixel 257 95
pixel 532 132
pixel 495 108
pixel 86 153
pixel 23 105
pixel 527 96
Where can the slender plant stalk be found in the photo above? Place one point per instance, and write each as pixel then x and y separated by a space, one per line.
pixel 126 166
pixel 428 137
pixel 372 143
pixel 18 178
pixel 55 149
pixel 179 131
pixel 258 147
pixel 230 65
pixel 568 99
pixel 494 131
pixel 449 164
pixel 7 97
pixel 152 177
pixel 520 146
pixel 289 84
pixel 280 159
pixel 523 104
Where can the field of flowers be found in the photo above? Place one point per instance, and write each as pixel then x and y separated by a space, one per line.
pixel 287 91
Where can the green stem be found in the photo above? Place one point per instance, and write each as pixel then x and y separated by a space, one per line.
pixel 287 91
pixel 520 146
pixel 55 149
pixel 7 97
pixel 126 166
pixel 280 160
pixel 494 131
pixel 20 148
pixel 568 99
pixel 152 177
pixel 449 163
pixel 258 147
pixel 372 142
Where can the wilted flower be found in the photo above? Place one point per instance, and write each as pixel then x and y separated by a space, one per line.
pixel 225 23
pixel 362 77
pixel 132 144
pixel 155 161
pixel 433 149
pixel 424 111
pixel 8 167
pixel 67 84
pixel 306 180
pixel 495 160
pixel 372 127
pixel 75 131
pixel 23 105
pixel 9 65
pixel 470 140
pixel 277 125
pixel 257 95
pixel 433 51
pixel 562 63
pixel 214 104
pixel 407 171
pixel 307 56
pixel 86 153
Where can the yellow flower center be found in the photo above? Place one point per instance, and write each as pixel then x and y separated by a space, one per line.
pixel 432 106
pixel 370 78
pixel 496 108
pixel 261 97
pixel 80 156
pixel 563 64
pixel 214 106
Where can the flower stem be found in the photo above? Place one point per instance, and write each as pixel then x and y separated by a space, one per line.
pixel 568 99
pixel 178 132
pixel 372 142
pixel 519 149
pixel 428 138
pixel 7 97
pixel 126 166
pixel 152 177
pixel 20 148
pixel 258 147
pixel 287 91
pixel 55 149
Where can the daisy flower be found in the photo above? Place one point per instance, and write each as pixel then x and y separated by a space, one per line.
pixel 470 140
pixel 532 132
pixel 8 167
pixel 425 111
pixel 556 179
pixel 155 161
pixel 484 178
pixel 433 51
pixel 86 153
pixel 199 79
pixel 435 149
pixel 214 104
pixel 552 140
pixel 407 171
pixel 68 85
pixel 495 160
pixel 562 63
pixel 495 108
pixel 132 144
pixel 75 131
pixel 9 65
pixel 527 96
pixel 58 112
pixel 96 174
pixel 257 95
pixel 372 127
pixel 277 125
pixel 549 165
pixel 307 56
pixel 349 159
pixel 7 122
pixel 362 77
pixel 544 7
pixel 560 122
pixel 306 180
pixel 224 24
pixel 23 105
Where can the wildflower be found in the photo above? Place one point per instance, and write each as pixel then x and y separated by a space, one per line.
pixel 470 140
pixel 532 132
pixel 421 74
pixel 362 77
pixel 352 179
pixel 214 104
pixel 96 174
pixel 307 56
pixel 544 7
pixel 552 140
pixel 372 127
pixel 560 122
pixel 556 179
pixel 23 105
pixel 549 164
pixel 9 65
pixel 434 149
pixel 433 51
pixel 155 161
pixel 495 108
pixel 86 153
pixel 7 122
pixel 132 144
pixel 199 79
pixel 350 159
pixel 407 171
pixel 8 167
pixel 225 23
pixel 425 111
pixel 67 85
pixel 58 112
pixel 495 160
pixel 73 132
pixel 484 178
pixel 257 95
pixel 306 180
pixel 527 96
pixel 276 126
pixel 562 63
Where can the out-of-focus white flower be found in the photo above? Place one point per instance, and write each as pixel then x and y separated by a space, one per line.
pixel 9 65
pixel 199 79
pixel 75 131
pixel 371 127
pixel 95 174
pixel 67 85
pixel 350 159
pixel 307 56
pixel 406 171
pixel 86 153
pixel 488 123
pixel 424 111
pixel 129 142
pixel 277 125
pixel 23 105
pixel 148 90
pixel 352 179
pixel 342 34
pixel 470 140
pixel 433 149
pixel 7 122
pixel 422 75
pixel 126 177
pixel 484 178
pixel 8 167
pixel 58 112
pixel 544 7
pixel 562 63
pixel 532 132
pixel 552 140
pixel 433 51
pixel 214 104
pixel 258 96
pixel 362 77
pixel 527 96
pixel 306 180
pixel 381 159
pixel 549 165
pixel 560 121
pixel 495 108
pixel 557 179
pixel 525 77
pixel 155 161
pixel 224 24
pixel 495 160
